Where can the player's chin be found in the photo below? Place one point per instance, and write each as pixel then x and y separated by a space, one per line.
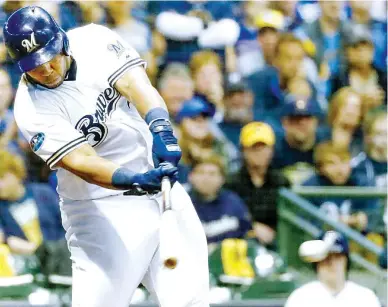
pixel 54 84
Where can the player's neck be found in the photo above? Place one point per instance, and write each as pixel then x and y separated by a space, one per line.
pixel 334 286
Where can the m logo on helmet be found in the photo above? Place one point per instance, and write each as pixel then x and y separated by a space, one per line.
pixel 31 44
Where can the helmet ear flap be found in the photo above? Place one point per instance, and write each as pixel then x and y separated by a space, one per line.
pixel 66 46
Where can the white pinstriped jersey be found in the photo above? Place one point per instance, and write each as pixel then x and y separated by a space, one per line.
pixel 86 108
pixel 315 294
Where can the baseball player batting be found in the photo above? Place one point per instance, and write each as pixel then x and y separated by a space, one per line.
pixel 89 111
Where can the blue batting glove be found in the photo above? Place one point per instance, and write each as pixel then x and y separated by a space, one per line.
pixel 151 180
pixel 165 146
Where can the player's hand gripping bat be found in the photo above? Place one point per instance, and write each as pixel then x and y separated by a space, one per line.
pixel 168 231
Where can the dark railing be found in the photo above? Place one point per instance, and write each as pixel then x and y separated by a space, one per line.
pixel 300 220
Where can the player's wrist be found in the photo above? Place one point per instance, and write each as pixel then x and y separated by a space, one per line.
pixel 123 178
pixel 157 115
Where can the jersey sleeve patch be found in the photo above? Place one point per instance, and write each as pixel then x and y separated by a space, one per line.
pixel 37 141
pixel 118 48
pixel 64 150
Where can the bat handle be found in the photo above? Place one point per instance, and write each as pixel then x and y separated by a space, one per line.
pixel 166 189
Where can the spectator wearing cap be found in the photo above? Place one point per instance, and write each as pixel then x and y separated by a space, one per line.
pixel 375 143
pixel 257 183
pixel 344 117
pixel 198 139
pixel 270 25
pixel 295 145
pixel 327 33
pixel 332 287
pixel 360 14
pixel 334 167
pixel 238 111
pixel 269 85
pixel 221 211
pixel 360 74
pixel 259 34
pixel 247 49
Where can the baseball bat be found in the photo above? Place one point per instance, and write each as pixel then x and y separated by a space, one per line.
pixel 168 231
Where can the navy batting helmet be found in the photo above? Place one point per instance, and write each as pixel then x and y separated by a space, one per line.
pixel 32 37
pixel 339 246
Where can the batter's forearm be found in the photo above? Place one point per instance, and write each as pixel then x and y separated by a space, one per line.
pixel 147 99
pixel 98 171
pixel 137 88
pixel 86 164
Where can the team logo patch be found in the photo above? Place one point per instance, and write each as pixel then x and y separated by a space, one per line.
pixel 31 44
pixel 118 48
pixel 37 141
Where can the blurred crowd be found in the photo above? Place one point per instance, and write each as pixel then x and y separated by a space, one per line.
pixel 262 95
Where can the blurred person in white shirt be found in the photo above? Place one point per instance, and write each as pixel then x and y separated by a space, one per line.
pixel 332 287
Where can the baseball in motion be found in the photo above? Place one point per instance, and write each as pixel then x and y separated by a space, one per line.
pixel 88 109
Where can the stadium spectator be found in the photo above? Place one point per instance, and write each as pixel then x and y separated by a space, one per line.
pixel 332 287
pixel 176 85
pixel 248 55
pixel 344 118
pixel 360 74
pixel 269 84
pixel 289 9
pixel 6 9
pixel 294 147
pixel 270 25
pixel 29 213
pixel 8 128
pixel 238 111
pixel 197 138
pixel 299 87
pixel 136 33
pixel 257 183
pixel 222 212
pixel 206 70
pixel 336 168
pixel 77 13
pixel 120 19
pixel 375 140
pixel 327 33
pixel 360 13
